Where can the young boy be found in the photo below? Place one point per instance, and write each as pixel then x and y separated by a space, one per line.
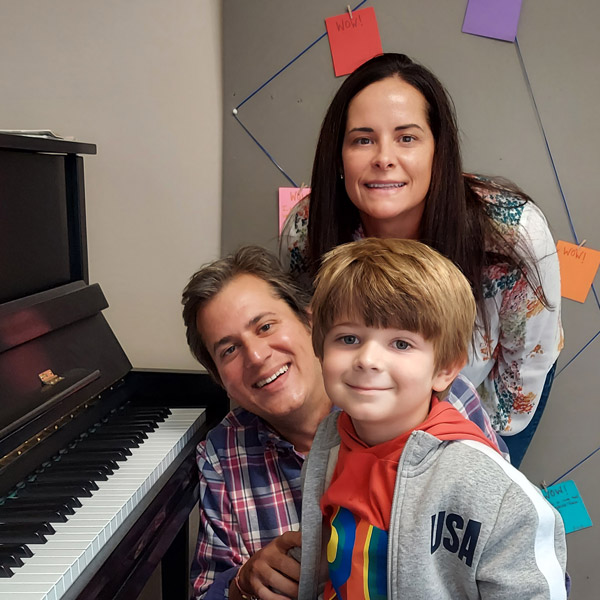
pixel 417 503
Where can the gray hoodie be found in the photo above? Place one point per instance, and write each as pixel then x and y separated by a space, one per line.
pixel 464 524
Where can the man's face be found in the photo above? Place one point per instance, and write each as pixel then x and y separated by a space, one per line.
pixel 262 351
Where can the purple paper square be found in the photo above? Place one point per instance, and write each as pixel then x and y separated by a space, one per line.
pixel 496 19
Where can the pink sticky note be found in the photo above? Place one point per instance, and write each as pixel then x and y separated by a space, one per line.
pixel 578 266
pixel 496 19
pixel 353 41
pixel 288 198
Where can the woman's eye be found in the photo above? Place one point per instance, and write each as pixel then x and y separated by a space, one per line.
pixel 362 141
pixel 265 327
pixel 229 350
pixel 401 345
pixel 406 139
pixel 349 339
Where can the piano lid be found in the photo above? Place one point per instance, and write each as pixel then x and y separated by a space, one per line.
pixel 42 215
pixel 56 349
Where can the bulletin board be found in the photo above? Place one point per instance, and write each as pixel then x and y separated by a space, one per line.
pixel 527 110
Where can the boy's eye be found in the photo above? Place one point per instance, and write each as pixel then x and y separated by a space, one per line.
pixel 349 339
pixel 401 345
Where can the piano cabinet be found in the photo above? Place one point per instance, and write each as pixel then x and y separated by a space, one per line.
pixel 156 531
pixel 64 378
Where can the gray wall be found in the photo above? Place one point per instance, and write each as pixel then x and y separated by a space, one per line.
pixel 142 80
pixel 501 135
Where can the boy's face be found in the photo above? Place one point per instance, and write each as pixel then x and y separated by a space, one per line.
pixel 383 378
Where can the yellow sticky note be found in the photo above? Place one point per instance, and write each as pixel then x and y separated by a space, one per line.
pixel 578 266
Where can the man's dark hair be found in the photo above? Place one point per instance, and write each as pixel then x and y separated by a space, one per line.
pixel 211 278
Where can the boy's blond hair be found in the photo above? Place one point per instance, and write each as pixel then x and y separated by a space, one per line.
pixel 401 284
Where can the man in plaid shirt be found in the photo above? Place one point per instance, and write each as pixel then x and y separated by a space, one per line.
pixel 248 324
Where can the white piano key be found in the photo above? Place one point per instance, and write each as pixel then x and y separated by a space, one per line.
pixel 64 557
pixel 10 588
pixel 57 564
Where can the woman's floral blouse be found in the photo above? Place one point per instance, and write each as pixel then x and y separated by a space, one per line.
pixel 510 368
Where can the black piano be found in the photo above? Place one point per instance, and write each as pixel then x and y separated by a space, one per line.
pixel 97 471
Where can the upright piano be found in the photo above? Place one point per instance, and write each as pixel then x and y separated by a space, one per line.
pixel 97 470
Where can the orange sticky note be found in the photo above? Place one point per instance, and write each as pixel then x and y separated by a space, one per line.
pixel 288 198
pixel 353 40
pixel 578 266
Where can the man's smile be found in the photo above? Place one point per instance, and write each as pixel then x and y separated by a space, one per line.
pixel 265 381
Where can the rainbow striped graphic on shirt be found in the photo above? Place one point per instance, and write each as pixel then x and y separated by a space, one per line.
pixel 357 557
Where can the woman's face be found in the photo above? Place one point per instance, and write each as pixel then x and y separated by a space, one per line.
pixel 387 156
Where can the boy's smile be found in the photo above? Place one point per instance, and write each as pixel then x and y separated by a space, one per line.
pixel 383 378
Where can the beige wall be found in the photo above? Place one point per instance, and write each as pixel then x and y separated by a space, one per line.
pixel 142 80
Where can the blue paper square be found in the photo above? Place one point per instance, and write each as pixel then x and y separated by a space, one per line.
pixel 567 501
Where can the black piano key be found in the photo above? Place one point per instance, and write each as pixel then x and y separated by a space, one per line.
pixel 158 415
pixel 84 460
pixel 106 444
pixel 144 408
pixel 20 550
pixel 109 454
pixel 5 571
pixel 43 483
pixel 132 424
pixel 64 505
pixel 98 470
pixel 36 527
pixel 116 437
pixel 138 415
pixel 58 476
pixel 10 560
pixel 27 533
pixel 47 515
pixel 119 432
pixel 21 537
pixel 130 419
pixel 136 418
pixel 64 492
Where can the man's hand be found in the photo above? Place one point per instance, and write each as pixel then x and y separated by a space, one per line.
pixel 271 569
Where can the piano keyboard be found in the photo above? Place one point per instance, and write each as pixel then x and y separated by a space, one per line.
pixel 55 565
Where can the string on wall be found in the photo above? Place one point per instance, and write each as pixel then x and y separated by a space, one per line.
pixel 282 170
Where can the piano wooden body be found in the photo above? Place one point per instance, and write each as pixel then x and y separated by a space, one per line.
pixel 68 397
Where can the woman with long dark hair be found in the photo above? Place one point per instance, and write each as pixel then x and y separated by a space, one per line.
pixel 388 164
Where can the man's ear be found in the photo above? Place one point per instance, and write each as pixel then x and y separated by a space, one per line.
pixel 309 314
pixel 443 379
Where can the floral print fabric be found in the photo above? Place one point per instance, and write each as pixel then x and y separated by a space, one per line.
pixel 509 369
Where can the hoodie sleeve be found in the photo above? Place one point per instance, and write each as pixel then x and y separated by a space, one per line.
pixel 525 555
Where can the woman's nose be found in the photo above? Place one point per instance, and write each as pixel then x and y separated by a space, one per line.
pixel 384 156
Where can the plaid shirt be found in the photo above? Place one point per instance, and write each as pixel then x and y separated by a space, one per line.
pixel 250 490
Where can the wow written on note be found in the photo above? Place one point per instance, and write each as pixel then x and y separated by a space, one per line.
pixel 578 266
pixel 353 40
pixel 288 198
pixel 566 499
